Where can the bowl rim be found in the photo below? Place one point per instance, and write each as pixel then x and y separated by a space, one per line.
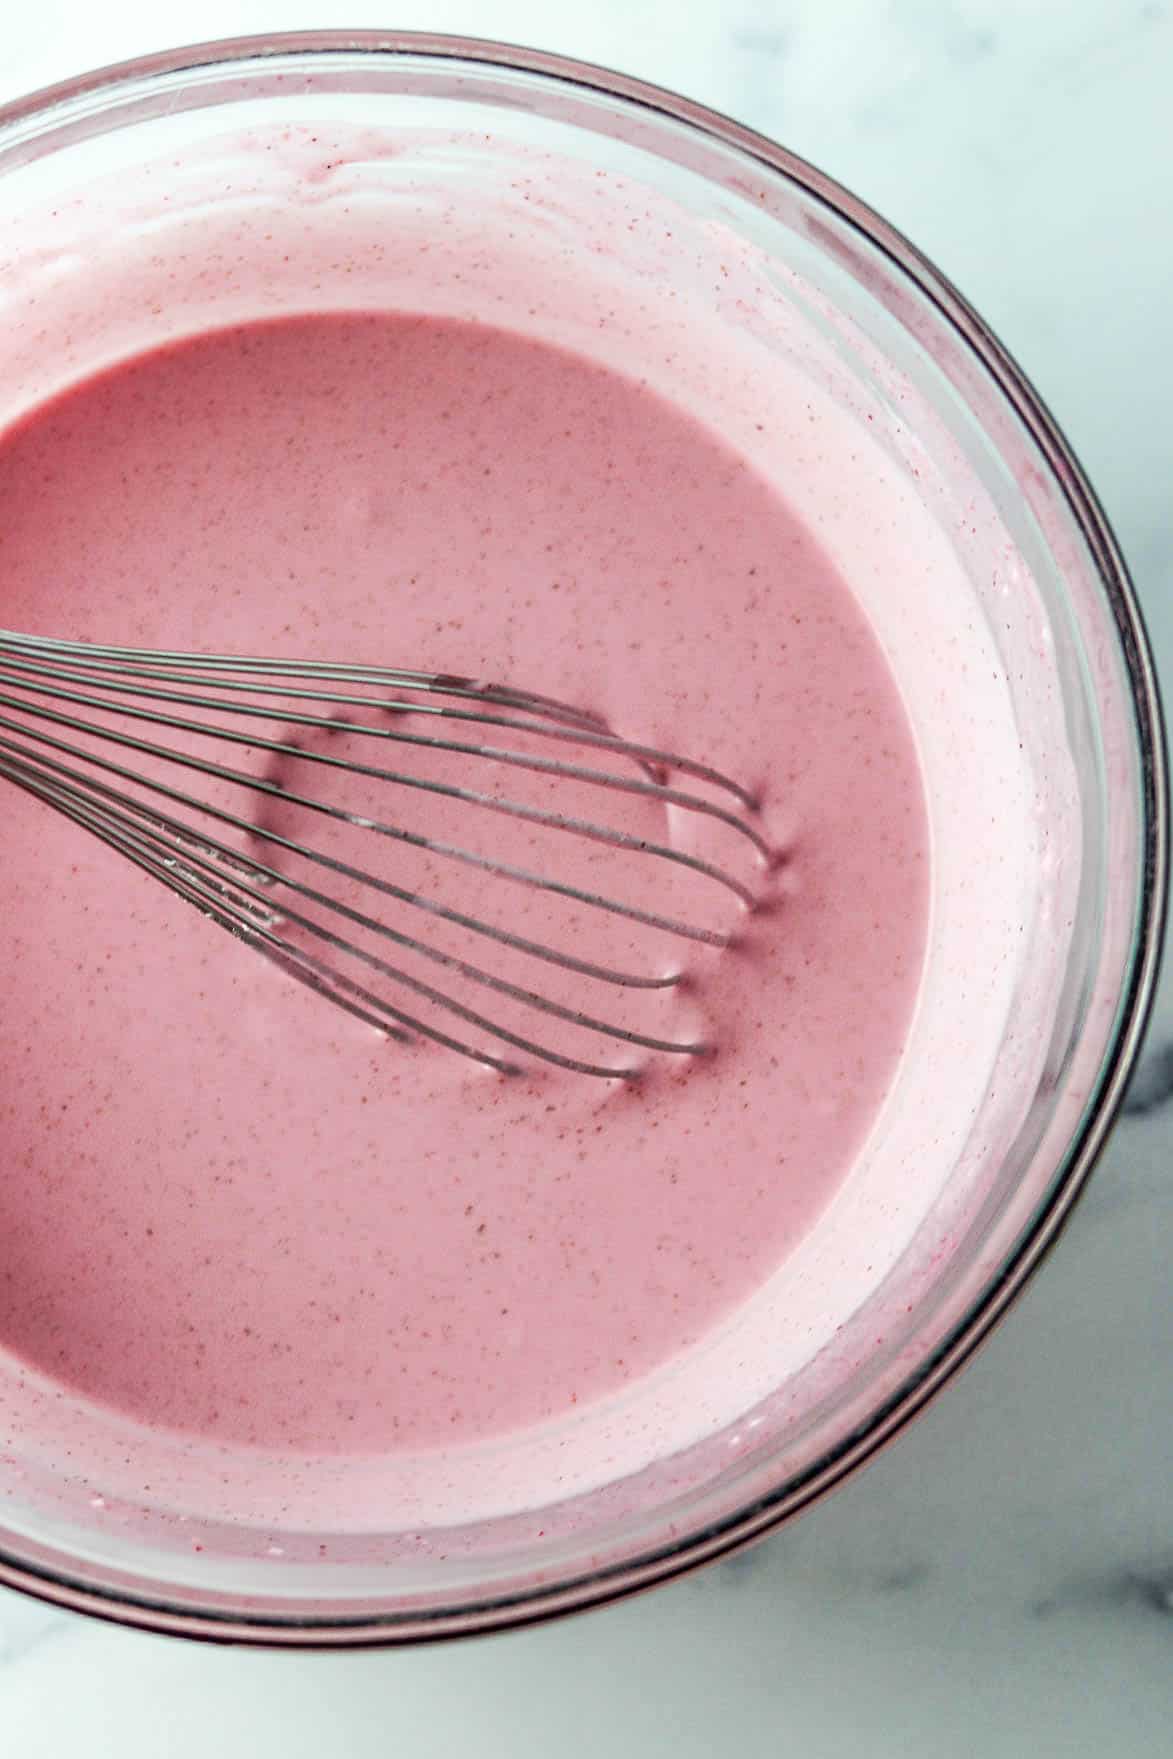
pixel 533 1606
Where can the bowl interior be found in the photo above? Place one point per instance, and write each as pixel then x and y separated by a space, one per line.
pixel 1005 612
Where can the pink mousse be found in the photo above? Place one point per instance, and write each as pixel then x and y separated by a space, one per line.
pixel 228 1209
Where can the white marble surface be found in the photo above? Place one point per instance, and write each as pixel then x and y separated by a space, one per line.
pixel 1000 1583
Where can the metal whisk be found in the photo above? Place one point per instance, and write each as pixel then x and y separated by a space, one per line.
pixel 117 738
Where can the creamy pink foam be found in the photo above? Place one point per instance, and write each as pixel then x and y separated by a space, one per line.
pixel 229 1210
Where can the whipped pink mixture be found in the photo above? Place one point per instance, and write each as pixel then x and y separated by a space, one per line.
pixel 227 1208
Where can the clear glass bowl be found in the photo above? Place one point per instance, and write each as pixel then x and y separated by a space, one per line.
pixel 881 321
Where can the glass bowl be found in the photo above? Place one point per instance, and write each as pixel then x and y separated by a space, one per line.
pixel 807 281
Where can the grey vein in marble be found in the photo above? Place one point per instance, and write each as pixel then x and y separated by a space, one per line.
pixel 1152 1085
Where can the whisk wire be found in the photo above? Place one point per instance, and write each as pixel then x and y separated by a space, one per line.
pixel 192 858
pixel 588 734
pixel 236 889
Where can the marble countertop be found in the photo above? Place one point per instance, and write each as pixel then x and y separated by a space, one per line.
pixel 1000 1582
